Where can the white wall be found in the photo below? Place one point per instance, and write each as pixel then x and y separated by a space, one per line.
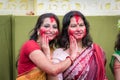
pixel 88 7
pixel 18 7
pixel 60 7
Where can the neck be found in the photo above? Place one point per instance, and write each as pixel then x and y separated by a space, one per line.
pixel 80 47
pixel 79 43
pixel 38 41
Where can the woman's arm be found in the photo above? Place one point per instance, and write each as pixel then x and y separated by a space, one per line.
pixel 57 77
pixel 44 64
pixel 117 69
pixel 60 55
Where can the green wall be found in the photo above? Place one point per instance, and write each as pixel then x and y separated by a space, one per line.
pixel 104 31
pixel 14 31
pixel 21 27
pixel 5 48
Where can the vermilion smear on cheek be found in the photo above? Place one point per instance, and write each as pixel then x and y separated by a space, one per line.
pixel 42 31
pixel 70 32
pixel 52 19
pixel 56 33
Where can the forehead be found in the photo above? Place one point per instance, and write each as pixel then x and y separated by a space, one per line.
pixel 75 19
pixel 48 20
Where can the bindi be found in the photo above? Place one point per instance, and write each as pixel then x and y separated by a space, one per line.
pixel 52 19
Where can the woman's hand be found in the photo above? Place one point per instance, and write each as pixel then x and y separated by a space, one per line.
pixel 45 46
pixel 73 48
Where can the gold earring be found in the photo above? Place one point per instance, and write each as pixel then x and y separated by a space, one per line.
pixel 38 33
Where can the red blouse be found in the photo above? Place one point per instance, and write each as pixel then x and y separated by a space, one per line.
pixel 24 62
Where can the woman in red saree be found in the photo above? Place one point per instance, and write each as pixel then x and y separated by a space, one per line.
pixel 90 61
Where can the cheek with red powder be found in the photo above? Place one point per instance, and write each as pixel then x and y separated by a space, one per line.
pixel 71 32
pixel 42 31
pixel 56 33
pixel 85 32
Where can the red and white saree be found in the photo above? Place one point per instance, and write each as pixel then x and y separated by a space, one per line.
pixel 87 65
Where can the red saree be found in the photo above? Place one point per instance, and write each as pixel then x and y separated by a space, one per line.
pixel 89 63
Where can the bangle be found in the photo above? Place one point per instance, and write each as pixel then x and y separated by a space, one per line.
pixel 70 59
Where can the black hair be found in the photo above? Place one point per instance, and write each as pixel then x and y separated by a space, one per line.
pixel 40 21
pixel 117 43
pixel 64 37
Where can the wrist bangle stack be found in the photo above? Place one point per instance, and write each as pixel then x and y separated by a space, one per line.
pixel 70 59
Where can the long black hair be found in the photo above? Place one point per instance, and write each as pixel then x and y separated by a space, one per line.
pixel 40 21
pixel 64 37
pixel 117 43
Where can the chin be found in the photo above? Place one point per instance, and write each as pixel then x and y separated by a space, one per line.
pixel 50 39
pixel 79 38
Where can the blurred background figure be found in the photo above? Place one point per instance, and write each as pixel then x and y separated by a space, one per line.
pixel 115 60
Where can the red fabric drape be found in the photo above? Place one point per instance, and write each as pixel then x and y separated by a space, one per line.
pixel 100 62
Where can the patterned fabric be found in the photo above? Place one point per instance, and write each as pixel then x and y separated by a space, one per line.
pixel 80 69
pixel 87 66
pixel 34 74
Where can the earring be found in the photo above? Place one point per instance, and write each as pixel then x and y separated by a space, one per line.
pixel 38 33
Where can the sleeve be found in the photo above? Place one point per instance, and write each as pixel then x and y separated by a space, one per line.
pixel 116 56
pixel 31 46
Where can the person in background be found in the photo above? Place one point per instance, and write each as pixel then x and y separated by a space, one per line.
pixel 90 61
pixel 35 54
pixel 115 59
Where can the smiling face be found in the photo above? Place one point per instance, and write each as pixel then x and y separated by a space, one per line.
pixel 77 28
pixel 49 28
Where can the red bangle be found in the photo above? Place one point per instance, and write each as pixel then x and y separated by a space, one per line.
pixel 70 59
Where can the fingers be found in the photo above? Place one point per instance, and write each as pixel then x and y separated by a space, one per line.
pixel 45 45
pixel 71 39
pixel 45 40
pixel 73 42
pixel 73 47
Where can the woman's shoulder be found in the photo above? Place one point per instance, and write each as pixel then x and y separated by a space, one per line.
pixel 60 53
pixel 58 49
pixel 117 52
pixel 28 42
pixel 117 55
pixel 97 47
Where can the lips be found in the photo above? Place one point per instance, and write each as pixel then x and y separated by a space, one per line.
pixel 79 32
pixel 49 34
